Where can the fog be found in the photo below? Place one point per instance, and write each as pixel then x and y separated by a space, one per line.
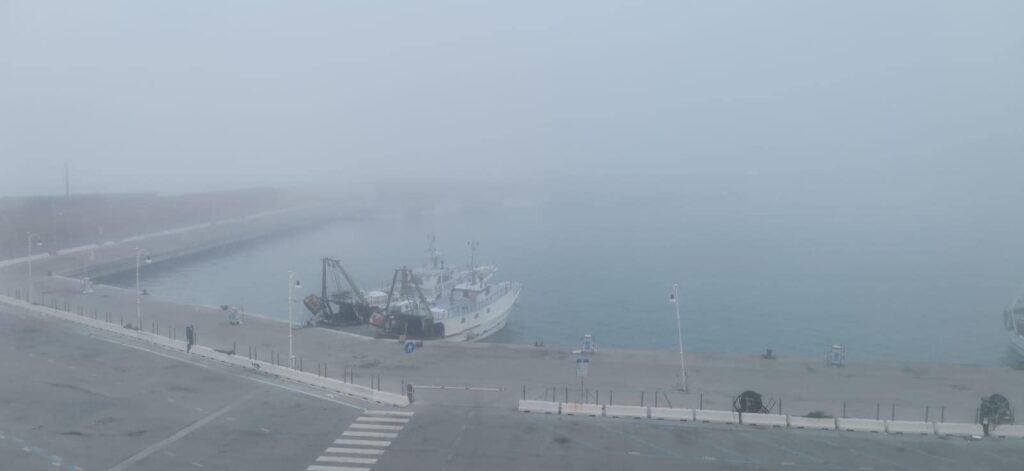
pixel 912 104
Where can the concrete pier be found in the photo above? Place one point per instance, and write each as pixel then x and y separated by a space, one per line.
pixel 490 378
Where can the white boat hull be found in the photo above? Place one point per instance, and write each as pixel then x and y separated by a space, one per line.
pixel 477 325
pixel 1017 341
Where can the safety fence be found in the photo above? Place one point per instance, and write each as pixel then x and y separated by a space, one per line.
pixel 775 404
pixel 892 427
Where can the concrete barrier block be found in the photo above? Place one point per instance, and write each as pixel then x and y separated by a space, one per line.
pixel 1008 431
pixel 545 407
pixel 770 420
pixel 716 416
pixel 909 427
pixel 812 423
pixel 861 425
pixel 631 412
pixel 958 430
pixel 572 408
pixel 663 413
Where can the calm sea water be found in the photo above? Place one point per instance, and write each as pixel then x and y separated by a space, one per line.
pixel 887 289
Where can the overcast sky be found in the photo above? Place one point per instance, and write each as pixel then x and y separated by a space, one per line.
pixel 794 97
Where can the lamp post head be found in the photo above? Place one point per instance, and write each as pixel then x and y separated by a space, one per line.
pixel 149 259
pixel 298 284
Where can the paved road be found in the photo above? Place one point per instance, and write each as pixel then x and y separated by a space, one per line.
pixel 82 402
pixel 73 401
pixel 486 434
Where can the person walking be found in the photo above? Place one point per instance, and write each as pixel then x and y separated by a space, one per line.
pixel 408 391
pixel 190 336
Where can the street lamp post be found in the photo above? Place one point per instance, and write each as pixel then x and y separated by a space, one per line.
pixel 297 284
pixel 138 292
pixel 679 330
pixel 30 280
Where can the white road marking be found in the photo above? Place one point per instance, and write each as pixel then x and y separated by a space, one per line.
pixel 343 441
pixel 389 420
pixel 345 459
pixel 376 427
pixel 388 412
pixel 303 392
pixel 348 433
pixel 196 464
pixel 178 435
pixel 317 467
pixel 355 451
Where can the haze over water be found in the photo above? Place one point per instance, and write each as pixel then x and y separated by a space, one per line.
pixel 809 172
pixel 886 285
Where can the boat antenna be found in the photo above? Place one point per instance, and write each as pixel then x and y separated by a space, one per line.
pixel 473 244
pixel 432 248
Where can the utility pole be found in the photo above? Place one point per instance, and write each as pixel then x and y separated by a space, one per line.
pixel 674 299
pixel 297 284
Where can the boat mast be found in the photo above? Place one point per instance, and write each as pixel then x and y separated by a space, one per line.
pixel 473 244
pixel 679 330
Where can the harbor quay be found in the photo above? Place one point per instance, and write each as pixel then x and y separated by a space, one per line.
pixel 793 386
pixel 159 405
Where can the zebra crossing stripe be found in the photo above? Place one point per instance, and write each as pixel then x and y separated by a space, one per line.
pixel 344 441
pixel 376 427
pixel 349 433
pixel 389 420
pixel 317 467
pixel 354 451
pixel 388 412
pixel 345 459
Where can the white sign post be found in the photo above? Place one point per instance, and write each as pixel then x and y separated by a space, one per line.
pixel 582 365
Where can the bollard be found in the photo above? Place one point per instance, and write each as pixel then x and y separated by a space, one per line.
pixel 524 389
pixel 325 370
pixel 878 410
pixel 597 396
pixel 926 413
pixel 300 363
pixel 780 406
pixel 701 401
pixel 893 412
pixel 655 399
pixel 566 395
pixel 641 398
pixel 609 397
pixel 942 418
pixel 844 409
